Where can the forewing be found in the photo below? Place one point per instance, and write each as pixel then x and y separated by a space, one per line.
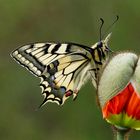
pixel 35 57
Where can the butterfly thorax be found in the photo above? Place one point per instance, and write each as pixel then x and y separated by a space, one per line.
pixel 99 53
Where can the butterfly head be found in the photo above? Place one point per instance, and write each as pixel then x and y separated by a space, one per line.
pixel 103 44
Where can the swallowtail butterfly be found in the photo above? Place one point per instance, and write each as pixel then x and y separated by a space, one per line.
pixel 62 67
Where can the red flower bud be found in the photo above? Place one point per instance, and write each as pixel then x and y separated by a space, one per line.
pixel 119 91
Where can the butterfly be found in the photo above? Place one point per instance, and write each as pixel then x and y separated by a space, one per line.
pixel 62 67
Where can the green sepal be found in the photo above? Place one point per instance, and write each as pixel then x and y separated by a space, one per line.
pixel 124 121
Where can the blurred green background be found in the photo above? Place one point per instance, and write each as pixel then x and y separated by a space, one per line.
pixel 25 21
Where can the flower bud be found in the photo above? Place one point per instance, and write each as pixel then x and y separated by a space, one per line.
pixel 119 90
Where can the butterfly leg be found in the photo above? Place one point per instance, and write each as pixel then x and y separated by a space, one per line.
pixel 75 94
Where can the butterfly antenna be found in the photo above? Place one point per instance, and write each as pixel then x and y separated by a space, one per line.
pixel 102 23
pixel 117 18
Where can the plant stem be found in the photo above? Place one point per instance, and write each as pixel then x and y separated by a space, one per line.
pixel 122 134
